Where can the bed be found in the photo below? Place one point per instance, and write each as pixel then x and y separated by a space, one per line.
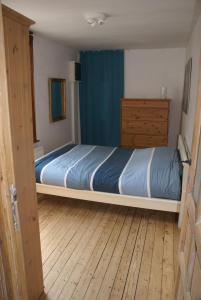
pixel 152 178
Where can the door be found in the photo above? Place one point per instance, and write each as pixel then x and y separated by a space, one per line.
pixel 189 274
pixel 20 254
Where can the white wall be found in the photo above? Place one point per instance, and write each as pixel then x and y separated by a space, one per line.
pixel 51 60
pixel 146 71
pixel 194 51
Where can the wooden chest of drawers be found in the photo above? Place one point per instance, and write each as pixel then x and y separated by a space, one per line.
pixel 144 122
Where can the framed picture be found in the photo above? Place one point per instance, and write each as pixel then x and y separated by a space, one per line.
pixel 187 86
pixel 57 99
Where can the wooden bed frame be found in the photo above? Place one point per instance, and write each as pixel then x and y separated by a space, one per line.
pixel 131 201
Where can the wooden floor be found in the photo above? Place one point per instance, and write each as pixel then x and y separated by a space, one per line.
pixel 95 251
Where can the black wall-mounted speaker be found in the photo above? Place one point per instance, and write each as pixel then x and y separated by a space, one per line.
pixel 74 71
pixel 77 71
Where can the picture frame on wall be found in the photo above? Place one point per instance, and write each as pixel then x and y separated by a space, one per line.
pixel 57 99
pixel 187 86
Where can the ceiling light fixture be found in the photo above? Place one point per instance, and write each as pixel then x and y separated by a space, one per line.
pixel 96 19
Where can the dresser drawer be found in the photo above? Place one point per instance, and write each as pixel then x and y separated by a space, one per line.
pixel 150 141
pixel 144 114
pixel 143 141
pixel 144 127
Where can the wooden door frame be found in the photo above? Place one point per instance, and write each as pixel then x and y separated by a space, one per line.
pixel 196 136
pixel 12 249
pixel 191 222
pixel 20 249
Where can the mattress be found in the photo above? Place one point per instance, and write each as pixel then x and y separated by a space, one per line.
pixel 150 172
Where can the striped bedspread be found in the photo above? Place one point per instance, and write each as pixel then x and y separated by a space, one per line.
pixel 151 172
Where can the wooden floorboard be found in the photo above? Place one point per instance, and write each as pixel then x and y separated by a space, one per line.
pixel 145 268
pixel 97 251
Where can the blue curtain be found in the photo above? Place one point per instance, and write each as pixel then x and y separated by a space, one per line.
pixel 101 88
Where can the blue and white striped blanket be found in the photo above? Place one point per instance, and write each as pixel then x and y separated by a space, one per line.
pixel 151 172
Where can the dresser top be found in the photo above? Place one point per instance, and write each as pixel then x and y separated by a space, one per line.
pixel 154 103
pixel 145 99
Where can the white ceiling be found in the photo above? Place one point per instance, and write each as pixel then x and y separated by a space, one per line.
pixel 132 23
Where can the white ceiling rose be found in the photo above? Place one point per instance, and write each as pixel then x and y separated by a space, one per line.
pixel 94 19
